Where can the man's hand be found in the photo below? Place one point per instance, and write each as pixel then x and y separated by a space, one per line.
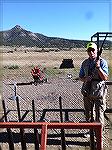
pixel 98 64
pixel 86 79
pixel 101 73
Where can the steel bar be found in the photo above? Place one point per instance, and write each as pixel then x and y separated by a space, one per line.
pixel 43 137
pixel 10 135
pixel 70 125
pixel 36 135
pixel 63 142
pixel 22 133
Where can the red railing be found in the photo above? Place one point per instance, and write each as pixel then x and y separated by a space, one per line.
pixel 45 125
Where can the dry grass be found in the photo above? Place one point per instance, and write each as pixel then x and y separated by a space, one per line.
pixel 25 61
pixel 47 58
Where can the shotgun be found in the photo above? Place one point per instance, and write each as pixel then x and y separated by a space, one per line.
pixel 99 52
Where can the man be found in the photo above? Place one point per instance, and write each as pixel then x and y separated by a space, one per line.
pixel 94 73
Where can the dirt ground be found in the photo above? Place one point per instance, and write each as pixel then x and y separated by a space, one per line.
pixel 46 95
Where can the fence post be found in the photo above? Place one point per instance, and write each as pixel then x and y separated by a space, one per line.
pixel 63 142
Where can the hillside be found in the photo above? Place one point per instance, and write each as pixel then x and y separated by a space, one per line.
pixel 17 36
pixel 21 37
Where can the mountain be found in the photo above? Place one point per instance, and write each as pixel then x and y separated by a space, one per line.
pixel 21 37
pixel 17 36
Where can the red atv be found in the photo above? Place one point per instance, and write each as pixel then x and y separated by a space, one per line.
pixel 38 75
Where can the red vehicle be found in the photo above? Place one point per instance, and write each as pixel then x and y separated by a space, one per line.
pixel 38 75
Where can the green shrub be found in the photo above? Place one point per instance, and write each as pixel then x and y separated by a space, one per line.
pixel 12 67
pixel 52 71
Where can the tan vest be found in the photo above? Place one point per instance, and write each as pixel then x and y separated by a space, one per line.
pixel 96 88
pixel 94 71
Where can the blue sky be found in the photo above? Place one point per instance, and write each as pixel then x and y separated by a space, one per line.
pixel 66 19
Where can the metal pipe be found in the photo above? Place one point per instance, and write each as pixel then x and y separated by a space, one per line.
pixel 23 139
pixel 10 135
pixel 43 137
pixel 46 125
pixel 63 142
pixel 36 135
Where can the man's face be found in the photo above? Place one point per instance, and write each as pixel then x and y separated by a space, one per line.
pixel 92 53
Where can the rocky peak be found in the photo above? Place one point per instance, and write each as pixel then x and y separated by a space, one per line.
pixel 17 27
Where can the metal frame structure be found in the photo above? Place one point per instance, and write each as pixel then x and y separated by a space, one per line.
pixel 36 134
pixel 99 35
pixel 44 126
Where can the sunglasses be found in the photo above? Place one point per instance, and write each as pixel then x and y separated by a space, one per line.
pixel 90 49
